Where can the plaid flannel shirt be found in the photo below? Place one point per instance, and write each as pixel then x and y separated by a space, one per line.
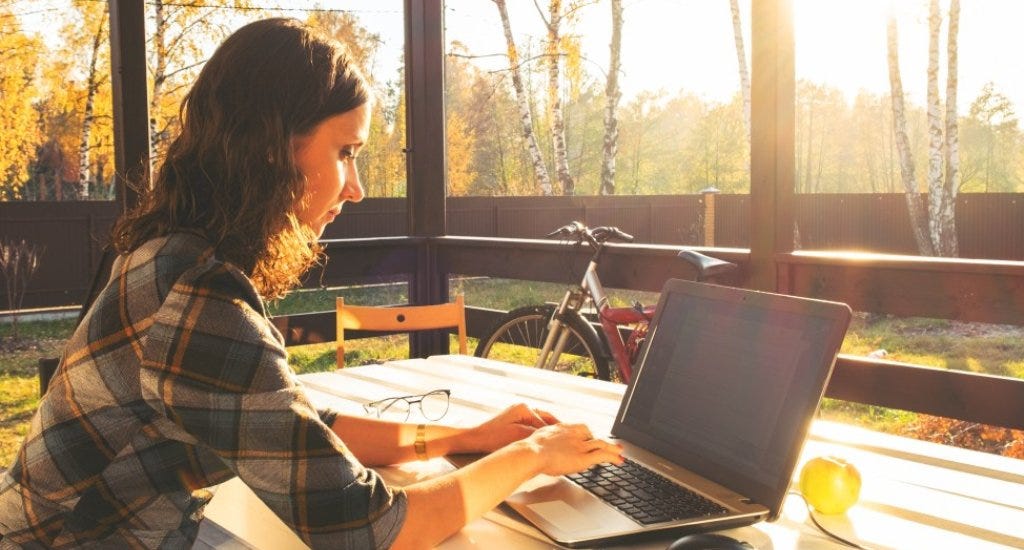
pixel 174 382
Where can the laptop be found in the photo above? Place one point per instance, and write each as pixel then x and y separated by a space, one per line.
pixel 712 423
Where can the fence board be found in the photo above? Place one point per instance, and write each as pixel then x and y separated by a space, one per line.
pixel 71 235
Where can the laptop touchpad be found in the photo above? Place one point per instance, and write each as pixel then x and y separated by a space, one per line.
pixel 562 516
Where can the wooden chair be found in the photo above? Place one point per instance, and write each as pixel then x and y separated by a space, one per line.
pixel 400 319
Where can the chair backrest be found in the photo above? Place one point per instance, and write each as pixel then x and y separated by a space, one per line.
pixel 400 319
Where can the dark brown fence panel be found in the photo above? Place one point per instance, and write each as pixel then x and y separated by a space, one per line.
pixel 532 219
pixel 863 222
pixel 732 221
pixel 72 236
pixel 679 222
pixel 370 218
pixel 652 219
pixel 991 225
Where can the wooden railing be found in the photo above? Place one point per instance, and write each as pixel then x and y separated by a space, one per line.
pixel 989 226
pixel 950 289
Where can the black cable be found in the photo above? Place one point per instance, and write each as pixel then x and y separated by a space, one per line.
pixel 810 513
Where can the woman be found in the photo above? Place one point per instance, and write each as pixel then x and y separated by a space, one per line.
pixel 176 381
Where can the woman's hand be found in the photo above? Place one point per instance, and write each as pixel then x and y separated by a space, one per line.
pixel 512 424
pixel 440 506
pixel 570 448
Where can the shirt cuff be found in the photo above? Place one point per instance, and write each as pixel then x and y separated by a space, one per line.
pixel 328 416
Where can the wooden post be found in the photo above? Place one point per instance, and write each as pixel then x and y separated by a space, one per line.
pixel 426 166
pixel 709 214
pixel 771 139
pixel 130 97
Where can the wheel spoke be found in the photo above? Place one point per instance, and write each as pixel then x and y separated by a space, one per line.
pixel 518 339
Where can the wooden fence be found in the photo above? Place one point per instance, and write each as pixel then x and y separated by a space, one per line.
pixel 989 226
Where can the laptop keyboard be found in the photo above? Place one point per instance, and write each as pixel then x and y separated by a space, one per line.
pixel 644 495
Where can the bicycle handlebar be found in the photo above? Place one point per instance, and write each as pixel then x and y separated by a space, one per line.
pixel 596 235
pixel 607 233
pixel 568 230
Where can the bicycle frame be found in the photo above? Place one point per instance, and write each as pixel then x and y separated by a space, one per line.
pixel 611 318
pixel 568 330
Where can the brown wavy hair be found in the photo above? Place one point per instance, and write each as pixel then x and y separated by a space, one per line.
pixel 230 174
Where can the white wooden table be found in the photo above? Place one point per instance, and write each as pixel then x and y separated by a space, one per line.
pixel 914 494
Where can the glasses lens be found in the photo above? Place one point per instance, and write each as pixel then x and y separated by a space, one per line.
pixel 394 409
pixel 434 405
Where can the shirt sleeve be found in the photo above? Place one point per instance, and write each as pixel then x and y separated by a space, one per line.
pixel 211 362
pixel 327 416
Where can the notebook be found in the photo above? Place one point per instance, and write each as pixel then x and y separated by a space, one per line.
pixel 712 423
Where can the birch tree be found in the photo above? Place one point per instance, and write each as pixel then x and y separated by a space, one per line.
pixel 741 60
pixel 933 101
pixel 899 118
pixel 92 84
pixel 522 100
pixel 612 95
pixel 941 190
pixel 553 52
pixel 952 152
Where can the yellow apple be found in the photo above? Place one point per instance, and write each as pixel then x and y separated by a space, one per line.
pixel 830 484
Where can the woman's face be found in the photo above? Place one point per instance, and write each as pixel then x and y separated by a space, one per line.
pixel 327 157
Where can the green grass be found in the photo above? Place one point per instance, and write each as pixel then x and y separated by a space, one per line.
pixel 19 378
pixel 302 301
pixel 506 294
pixel 969 347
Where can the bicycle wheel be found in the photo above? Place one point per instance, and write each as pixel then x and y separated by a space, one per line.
pixel 520 334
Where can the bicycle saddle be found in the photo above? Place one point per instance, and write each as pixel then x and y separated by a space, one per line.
pixel 706 266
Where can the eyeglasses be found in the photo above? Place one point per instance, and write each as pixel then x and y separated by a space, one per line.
pixel 433 406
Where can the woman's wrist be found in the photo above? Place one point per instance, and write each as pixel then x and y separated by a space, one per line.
pixel 463 440
pixel 528 453
pixel 440 440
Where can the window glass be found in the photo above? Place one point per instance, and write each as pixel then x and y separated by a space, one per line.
pixel 55 102
pixel 519 127
pixel 908 142
pixel 373 31
pixel 939 171
pixel 182 37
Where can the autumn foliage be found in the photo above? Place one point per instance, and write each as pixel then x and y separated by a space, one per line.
pixel 968 435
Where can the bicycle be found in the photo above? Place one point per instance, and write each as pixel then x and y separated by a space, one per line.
pixel 559 337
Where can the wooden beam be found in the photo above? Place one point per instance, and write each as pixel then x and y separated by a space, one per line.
pixel 907 286
pixel 969 290
pixel 987 399
pixel 377 260
pixel 772 138
pixel 639 267
pixel 130 97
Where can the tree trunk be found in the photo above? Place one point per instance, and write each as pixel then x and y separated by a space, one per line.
pixel 935 142
pixel 92 84
pixel 159 71
pixel 554 55
pixel 809 150
pixel 741 58
pixel 524 106
pixel 613 95
pixel 947 214
pixel 899 122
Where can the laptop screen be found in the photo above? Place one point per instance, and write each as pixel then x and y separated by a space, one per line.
pixel 728 382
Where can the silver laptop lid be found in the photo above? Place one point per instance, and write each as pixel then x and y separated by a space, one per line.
pixel 728 381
